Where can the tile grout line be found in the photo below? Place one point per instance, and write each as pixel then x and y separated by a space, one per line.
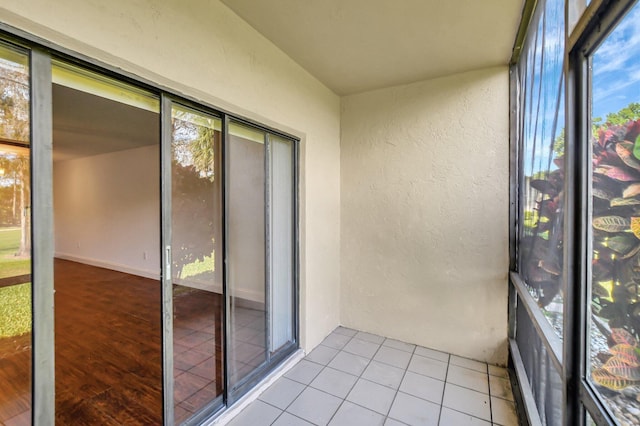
pixel 327 366
pixel 306 386
pixel 490 403
pixel 401 380
pixel 444 388
pixel 358 377
pixel 324 367
pixel 400 384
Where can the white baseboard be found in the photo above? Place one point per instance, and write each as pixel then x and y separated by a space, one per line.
pixel 250 299
pixel 154 275
pixel 199 284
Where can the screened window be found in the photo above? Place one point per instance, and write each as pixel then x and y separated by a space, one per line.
pixel 541 163
pixel 575 308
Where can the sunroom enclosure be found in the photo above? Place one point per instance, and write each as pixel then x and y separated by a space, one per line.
pixel 574 323
pixel 402 227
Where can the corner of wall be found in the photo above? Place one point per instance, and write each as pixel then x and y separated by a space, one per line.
pixel 418 164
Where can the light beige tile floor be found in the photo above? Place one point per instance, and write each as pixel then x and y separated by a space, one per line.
pixel 355 378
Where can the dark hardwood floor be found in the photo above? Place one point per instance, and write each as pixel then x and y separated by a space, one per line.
pixel 108 351
pixel 15 380
pixel 107 347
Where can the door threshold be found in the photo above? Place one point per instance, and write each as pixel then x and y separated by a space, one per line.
pixel 227 415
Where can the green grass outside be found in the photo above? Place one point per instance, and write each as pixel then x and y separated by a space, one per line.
pixel 15 301
pixel 15 310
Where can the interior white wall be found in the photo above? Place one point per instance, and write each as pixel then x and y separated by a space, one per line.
pixel 246 220
pixel 424 229
pixel 202 49
pixel 107 210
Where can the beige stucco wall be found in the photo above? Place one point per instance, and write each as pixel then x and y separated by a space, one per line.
pixel 424 181
pixel 202 49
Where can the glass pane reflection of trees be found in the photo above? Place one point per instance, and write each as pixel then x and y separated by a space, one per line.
pixel 614 314
pixel 15 239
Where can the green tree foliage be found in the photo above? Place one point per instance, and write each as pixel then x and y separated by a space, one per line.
pixel 14 162
pixel 629 113
pixel 14 103
pixel 194 185
pixel 193 145
pixel 202 152
pixel 558 144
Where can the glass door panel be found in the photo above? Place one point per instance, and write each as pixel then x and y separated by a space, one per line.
pixel 281 243
pixel 106 197
pixel 196 221
pixel 15 238
pixel 246 252
pixel 614 312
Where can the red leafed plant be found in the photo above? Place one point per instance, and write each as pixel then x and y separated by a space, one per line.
pixel 616 246
pixel 616 251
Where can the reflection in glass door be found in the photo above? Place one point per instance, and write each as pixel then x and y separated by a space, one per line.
pixel 15 239
pixel 196 240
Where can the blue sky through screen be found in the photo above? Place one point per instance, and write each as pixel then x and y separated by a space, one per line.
pixel 544 91
pixel 616 67
pixel 615 81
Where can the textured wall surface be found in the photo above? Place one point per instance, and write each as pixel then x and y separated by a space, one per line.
pixel 202 49
pixel 424 230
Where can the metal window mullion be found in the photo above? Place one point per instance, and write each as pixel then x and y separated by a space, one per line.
pixel 594 406
pixel 576 249
pixel 295 241
pixel 225 308
pixel 167 285
pixel 598 20
pixel 267 247
pixel 42 284
pixel 226 294
pixel 547 335
pixel 526 393
pixel 514 203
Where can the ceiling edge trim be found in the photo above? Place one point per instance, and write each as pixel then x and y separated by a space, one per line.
pixel 527 14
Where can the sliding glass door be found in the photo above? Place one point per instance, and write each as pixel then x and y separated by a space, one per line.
pixel 229 257
pixel 106 215
pixel 196 264
pixel 246 251
pixel 260 250
pixel 169 231
pixel 281 242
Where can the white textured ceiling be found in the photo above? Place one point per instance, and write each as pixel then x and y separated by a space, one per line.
pixel 359 45
pixel 85 125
